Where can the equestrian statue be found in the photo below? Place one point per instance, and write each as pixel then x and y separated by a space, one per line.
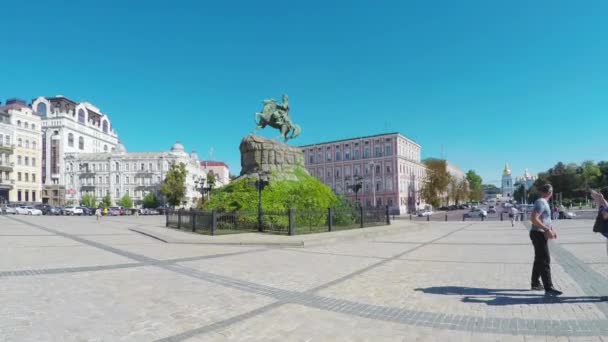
pixel 276 115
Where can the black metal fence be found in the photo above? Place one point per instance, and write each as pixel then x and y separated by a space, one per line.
pixel 288 222
pixel 451 216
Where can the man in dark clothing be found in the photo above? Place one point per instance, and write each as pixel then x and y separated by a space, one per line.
pixel 540 233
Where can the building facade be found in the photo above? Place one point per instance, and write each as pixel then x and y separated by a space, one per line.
pixel 219 169
pixel 26 156
pixel 69 127
pixel 387 166
pixel 7 147
pixel 507 183
pixel 135 174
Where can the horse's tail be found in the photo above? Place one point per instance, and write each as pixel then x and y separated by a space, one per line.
pixel 296 131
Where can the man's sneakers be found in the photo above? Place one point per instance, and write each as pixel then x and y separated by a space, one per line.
pixel 552 292
pixel 537 287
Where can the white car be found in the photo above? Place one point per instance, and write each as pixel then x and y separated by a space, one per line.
pixel 8 210
pixel 425 213
pixel 570 215
pixel 477 212
pixel 73 210
pixel 27 210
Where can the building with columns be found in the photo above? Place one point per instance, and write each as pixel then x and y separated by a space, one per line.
pixel 119 172
pixel 387 166
pixel 21 153
pixel 69 127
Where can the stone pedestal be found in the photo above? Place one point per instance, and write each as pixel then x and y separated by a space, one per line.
pixel 260 154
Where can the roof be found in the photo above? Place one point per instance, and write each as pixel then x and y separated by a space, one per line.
pixel 356 138
pixel 206 163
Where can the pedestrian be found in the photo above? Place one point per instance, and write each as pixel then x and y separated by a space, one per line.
pixel 602 204
pixel 98 213
pixel 541 232
pixel 555 213
pixel 512 215
pixel 105 211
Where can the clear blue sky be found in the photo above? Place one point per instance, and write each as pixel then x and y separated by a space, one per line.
pixel 524 82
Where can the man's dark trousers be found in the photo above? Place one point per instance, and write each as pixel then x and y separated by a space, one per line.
pixel 542 260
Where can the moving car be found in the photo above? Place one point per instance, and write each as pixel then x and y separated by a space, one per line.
pixel 425 213
pixel 73 211
pixel 491 210
pixel 569 215
pixel 28 210
pixel 476 212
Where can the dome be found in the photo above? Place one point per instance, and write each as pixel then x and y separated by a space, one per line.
pixel 507 171
pixel 121 148
pixel 177 147
pixel 527 175
pixel 194 155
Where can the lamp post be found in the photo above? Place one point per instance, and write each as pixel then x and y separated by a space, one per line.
pixel 260 184
pixel 372 165
pixel 200 186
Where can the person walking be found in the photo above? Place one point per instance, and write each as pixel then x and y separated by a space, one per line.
pixel 98 213
pixel 512 215
pixel 540 233
pixel 602 205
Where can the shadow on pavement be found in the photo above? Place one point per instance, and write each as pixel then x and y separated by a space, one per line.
pixel 507 296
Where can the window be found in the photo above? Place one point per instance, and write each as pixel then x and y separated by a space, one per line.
pixel 33 178
pixel 127 180
pixel 388 169
pixel 150 167
pixel 19 194
pixel 27 177
pixel 142 166
pixel 71 140
pixel 312 159
pixel 117 166
pixel 126 166
pixel 41 109
pixel 19 142
pixel 366 153
pixel 378 151
pixel 81 143
pixel 27 144
pixel 319 157
pixel 105 126
pixel 18 160
pixel 105 148
pixel 117 193
pixel 337 173
pixel 33 196
pixel 328 156
pixel 19 123
pixel 26 125
pixel 388 150
pixel 33 145
pixel 356 153
pixel 117 179
pixel 347 154
pixel 33 126
pixel 27 161
pixel 356 170
pixel 81 116
pixel 377 169
pixel 7 140
pixel 338 155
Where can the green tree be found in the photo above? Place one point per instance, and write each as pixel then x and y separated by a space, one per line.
pixel 490 189
pixel 436 182
pixel 590 174
pixel 150 200
pixel 211 179
pixel 89 200
pixel 126 202
pixel 174 186
pixel 518 194
pixel 463 191
pixel 106 201
pixel 475 189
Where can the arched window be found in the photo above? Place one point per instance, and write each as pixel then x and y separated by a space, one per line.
pixel 27 144
pixel 33 145
pixel 41 109
pixel 117 179
pixel 26 125
pixel 105 148
pixel 19 142
pixel 117 166
pixel 81 118
pixel 81 143
pixel 105 126
pixel 70 140
pixel 19 123
pixel 7 140
pixel 127 180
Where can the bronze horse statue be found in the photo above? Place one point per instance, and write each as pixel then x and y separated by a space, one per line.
pixel 276 115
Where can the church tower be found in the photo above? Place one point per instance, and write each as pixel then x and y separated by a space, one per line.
pixel 507 182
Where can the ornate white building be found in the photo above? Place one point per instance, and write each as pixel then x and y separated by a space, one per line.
pixel 69 127
pixel 527 180
pixel 507 183
pixel 137 173
pixel 7 148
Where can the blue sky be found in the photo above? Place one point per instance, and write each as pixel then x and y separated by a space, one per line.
pixel 523 82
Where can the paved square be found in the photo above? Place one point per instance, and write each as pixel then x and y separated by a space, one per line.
pixel 76 279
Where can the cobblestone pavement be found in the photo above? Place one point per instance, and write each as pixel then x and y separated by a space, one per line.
pixel 75 279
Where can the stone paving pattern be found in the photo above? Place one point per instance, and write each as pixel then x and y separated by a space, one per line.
pixel 75 279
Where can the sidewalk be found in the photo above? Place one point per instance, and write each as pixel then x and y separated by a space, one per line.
pixel 175 236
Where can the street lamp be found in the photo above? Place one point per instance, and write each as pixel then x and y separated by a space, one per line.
pixel 260 184
pixel 200 186
pixel 372 165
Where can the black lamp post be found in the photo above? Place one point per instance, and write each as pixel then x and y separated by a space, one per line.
pixel 200 186
pixel 356 187
pixel 260 184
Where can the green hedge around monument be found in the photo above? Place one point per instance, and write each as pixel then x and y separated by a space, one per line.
pixel 307 195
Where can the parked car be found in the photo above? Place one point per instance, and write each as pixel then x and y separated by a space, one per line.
pixel 9 210
pixel 73 210
pixel 425 213
pixel 569 215
pixel 491 210
pixel 86 211
pixel 28 210
pixel 445 208
pixel 55 211
pixel 45 208
pixel 114 211
pixel 476 212
pixel 59 211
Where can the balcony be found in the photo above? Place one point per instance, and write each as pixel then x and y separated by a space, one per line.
pixel 87 187
pixel 4 167
pixel 9 149
pixel 6 184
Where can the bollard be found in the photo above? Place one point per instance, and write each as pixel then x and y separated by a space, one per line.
pixel 428 218
pixel 292 222
pixel 179 219
pixel 464 218
pixel 410 217
pixel 167 217
pixel 213 222
pixel 193 218
pixel 483 218
pixel 330 219
pixel 361 215
pixel 501 216
pixel 446 217
pixel 388 217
